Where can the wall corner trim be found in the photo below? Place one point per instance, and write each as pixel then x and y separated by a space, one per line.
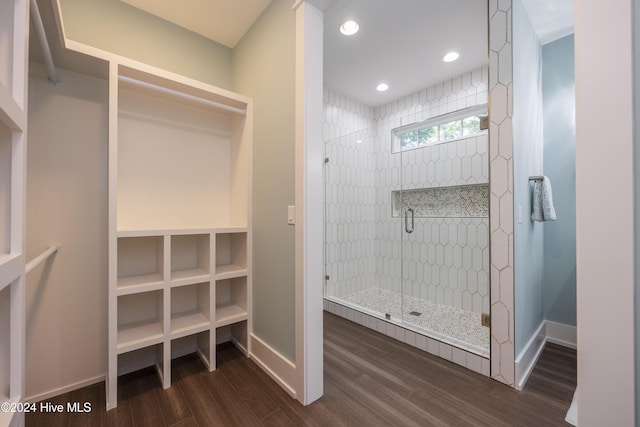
pixel 309 216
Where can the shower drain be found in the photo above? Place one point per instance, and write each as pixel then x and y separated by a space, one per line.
pixel 415 313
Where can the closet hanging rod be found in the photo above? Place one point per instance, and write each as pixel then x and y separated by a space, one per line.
pixel 536 178
pixel 44 43
pixel 42 257
pixel 183 95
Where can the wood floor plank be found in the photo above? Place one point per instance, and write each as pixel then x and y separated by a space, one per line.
pixel 278 419
pixel 369 380
pixel 120 416
pixel 90 402
pixel 51 419
pixel 173 404
pixel 255 396
pixel 311 415
pixel 145 407
pixel 206 410
pixel 233 406
pixel 187 422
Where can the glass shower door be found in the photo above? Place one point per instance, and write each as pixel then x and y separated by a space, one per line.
pixel 409 206
pixel 354 276
pixel 443 203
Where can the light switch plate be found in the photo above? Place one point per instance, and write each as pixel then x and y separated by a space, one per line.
pixel 291 215
pixel 519 214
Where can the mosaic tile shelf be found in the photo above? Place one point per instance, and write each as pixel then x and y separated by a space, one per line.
pixel 460 201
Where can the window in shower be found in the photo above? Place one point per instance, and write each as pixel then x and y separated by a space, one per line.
pixel 460 124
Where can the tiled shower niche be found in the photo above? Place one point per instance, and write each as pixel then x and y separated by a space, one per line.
pixel 464 201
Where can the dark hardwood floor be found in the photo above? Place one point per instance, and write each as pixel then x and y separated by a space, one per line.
pixel 370 380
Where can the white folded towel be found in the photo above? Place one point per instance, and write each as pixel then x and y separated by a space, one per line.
pixel 543 209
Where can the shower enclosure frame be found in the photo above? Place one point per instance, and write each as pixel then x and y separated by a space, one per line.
pixel 441 345
pixel 502 345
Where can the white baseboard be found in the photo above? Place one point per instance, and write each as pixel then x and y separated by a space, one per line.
pixel 528 357
pixel 279 368
pixel 61 390
pixel 548 331
pixel 563 335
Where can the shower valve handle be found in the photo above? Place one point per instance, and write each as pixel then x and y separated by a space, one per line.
pixel 408 212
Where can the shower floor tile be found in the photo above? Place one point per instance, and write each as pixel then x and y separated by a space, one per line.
pixel 460 325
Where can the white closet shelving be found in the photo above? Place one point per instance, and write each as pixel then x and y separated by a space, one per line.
pixel 179 221
pixel 14 26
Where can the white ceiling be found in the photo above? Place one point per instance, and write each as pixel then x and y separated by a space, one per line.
pixel 552 19
pixel 400 42
pixel 224 21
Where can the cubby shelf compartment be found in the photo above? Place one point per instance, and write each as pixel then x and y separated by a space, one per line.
pixel 140 263
pixel 152 355
pixel 231 255
pixel 5 337
pixel 190 258
pixel 237 333
pixel 231 301
pixel 140 318
pixel 195 343
pixel 190 309
pixel 13 25
pixel 7 177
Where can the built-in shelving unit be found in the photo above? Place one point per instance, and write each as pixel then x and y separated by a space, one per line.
pixel 14 26
pixel 180 237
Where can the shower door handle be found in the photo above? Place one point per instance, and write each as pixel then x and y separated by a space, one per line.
pixel 408 212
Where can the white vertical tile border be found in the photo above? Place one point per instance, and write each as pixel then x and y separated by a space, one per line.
pixel 501 192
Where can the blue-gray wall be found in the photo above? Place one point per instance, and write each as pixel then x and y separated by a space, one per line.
pixel 559 108
pixel 527 160
pixel 264 69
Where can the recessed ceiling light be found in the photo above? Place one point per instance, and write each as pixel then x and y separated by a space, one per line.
pixel 349 28
pixel 382 87
pixel 451 56
pixel 358 141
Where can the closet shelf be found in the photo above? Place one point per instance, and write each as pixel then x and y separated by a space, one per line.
pixel 11 114
pixel 230 271
pixel 10 268
pixel 187 277
pixel 214 228
pixel 229 314
pixel 141 283
pixel 183 324
pixel 138 335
